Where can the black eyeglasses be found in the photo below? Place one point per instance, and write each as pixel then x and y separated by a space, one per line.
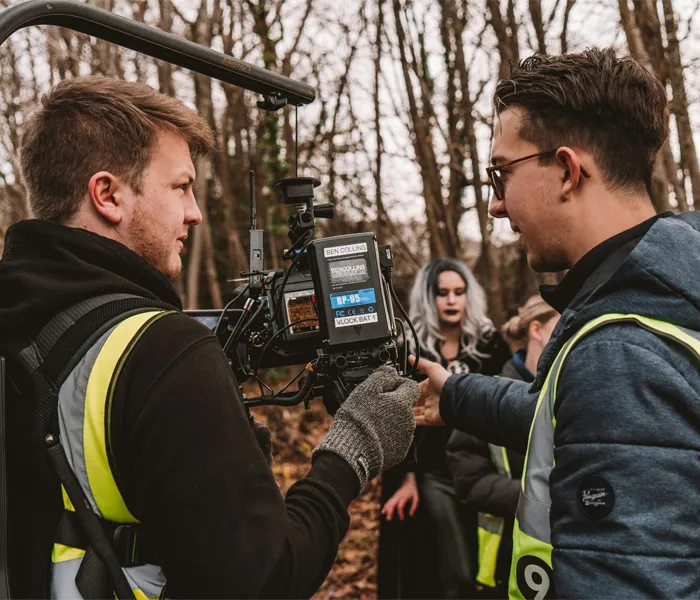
pixel 496 179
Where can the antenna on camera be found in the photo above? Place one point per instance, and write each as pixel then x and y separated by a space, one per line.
pixel 256 255
pixel 251 187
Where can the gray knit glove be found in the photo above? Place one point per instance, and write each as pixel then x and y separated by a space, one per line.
pixel 373 428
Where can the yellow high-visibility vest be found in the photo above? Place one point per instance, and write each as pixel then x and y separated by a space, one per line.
pixel 490 527
pixel 531 574
pixel 83 404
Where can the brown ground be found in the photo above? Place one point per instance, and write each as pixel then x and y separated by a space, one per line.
pixel 296 432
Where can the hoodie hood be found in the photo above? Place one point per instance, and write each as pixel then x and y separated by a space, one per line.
pixel 47 267
pixel 660 279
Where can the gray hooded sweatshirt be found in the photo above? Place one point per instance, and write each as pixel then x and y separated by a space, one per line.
pixel 627 418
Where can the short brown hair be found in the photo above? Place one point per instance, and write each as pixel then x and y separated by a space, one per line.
pixel 612 107
pixel 89 124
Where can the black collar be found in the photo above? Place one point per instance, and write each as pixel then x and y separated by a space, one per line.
pixel 596 267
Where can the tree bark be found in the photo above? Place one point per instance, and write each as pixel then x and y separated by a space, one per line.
pixel 565 26
pixel 536 16
pixel 644 42
pixel 503 37
pixel 679 105
pixel 423 147
pixel 382 216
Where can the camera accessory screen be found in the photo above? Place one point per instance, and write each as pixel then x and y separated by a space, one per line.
pixel 300 306
pixel 208 321
pixel 348 271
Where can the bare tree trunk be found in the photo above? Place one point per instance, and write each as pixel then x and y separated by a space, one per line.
pixel 672 173
pixel 536 16
pixel 165 69
pixel 503 37
pixel 454 133
pixel 513 27
pixel 647 18
pixel 635 43
pixel 210 266
pixel 644 43
pixel 423 148
pixel 565 26
pixel 679 106
pixel 202 253
pixel 382 216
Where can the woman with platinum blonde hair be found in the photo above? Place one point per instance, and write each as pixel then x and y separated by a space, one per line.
pixel 450 325
pixel 448 311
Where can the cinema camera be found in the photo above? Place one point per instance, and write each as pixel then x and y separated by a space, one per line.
pixel 330 310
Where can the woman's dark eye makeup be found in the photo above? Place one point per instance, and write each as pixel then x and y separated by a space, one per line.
pixel 457 292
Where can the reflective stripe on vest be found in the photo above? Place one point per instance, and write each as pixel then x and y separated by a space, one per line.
pixel 84 401
pixel 531 573
pixel 490 527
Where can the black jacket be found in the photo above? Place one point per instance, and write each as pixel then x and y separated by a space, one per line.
pixel 479 485
pixel 185 456
pixel 475 477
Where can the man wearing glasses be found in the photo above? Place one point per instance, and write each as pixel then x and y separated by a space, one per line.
pixel 609 498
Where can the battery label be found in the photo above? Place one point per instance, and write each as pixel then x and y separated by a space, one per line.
pixel 356 320
pixel 344 250
pixel 356 298
pixel 348 271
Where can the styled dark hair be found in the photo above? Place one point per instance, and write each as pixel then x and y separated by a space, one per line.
pixel 88 124
pixel 612 107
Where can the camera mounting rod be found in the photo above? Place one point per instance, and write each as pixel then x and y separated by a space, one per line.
pixel 276 89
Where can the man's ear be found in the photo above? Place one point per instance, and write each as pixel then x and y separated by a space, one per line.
pixel 572 176
pixel 106 195
pixel 534 330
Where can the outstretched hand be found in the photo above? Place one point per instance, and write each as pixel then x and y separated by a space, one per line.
pixel 427 409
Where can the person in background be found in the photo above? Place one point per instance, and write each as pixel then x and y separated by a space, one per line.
pixel 486 477
pixel 448 311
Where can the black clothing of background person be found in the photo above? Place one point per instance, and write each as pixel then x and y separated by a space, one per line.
pixel 408 565
pixel 480 487
pixel 178 428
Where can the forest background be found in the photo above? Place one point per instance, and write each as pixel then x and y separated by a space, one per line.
pixel 399 136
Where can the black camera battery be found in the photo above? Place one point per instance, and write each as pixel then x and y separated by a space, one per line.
pixel 350 293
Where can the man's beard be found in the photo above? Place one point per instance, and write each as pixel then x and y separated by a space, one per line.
pixel 146 245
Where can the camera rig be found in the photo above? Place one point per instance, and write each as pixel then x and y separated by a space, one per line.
pixel 330 310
